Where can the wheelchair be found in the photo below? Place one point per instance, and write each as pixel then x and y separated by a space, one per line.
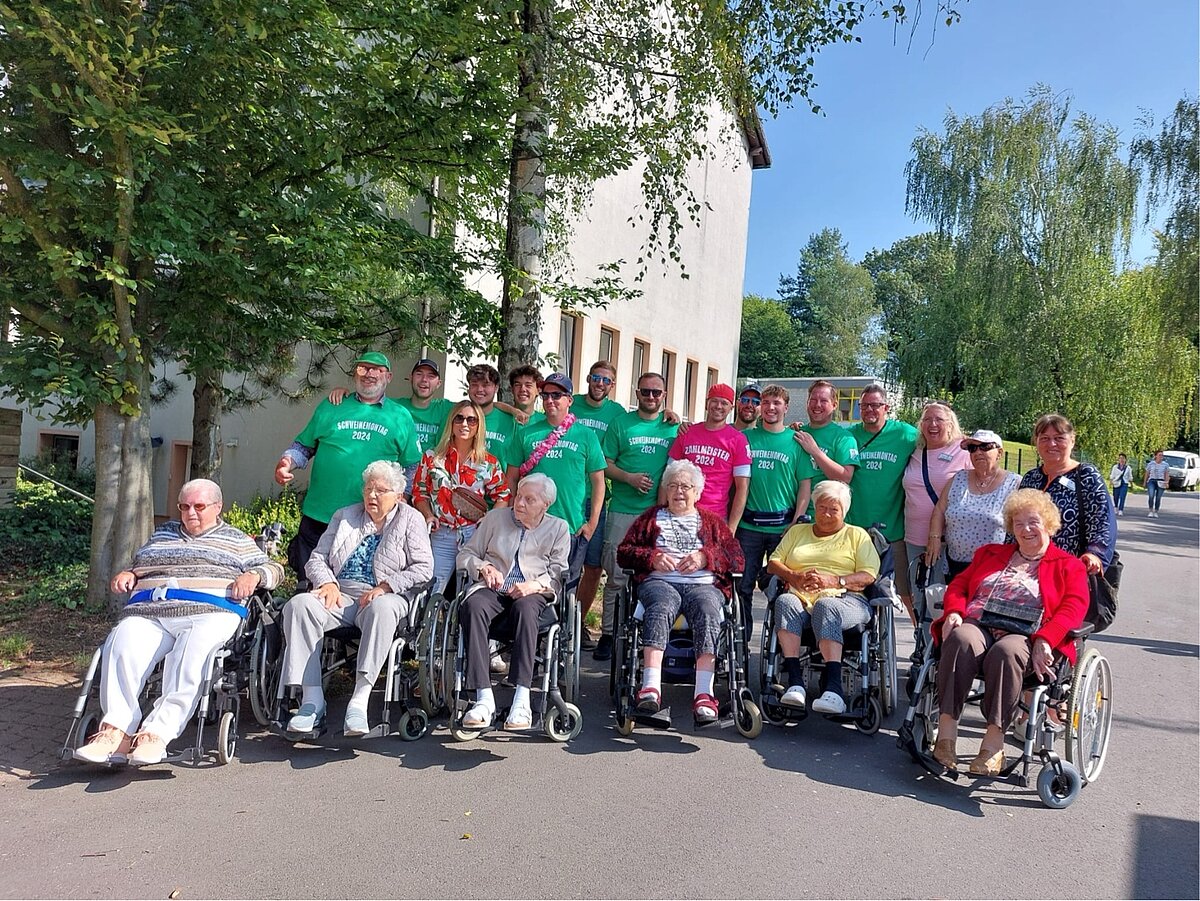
pixel 733 665
pixel 442 664
pixel 274 703
pixel 1080 695
pixel 226 678
pixel 869 676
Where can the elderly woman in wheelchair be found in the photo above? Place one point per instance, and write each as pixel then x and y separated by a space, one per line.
pixel 370 555
pixel 1008 613
pixel 826 566
pixel 515 561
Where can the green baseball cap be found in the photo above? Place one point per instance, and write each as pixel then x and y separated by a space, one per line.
pixel 374 358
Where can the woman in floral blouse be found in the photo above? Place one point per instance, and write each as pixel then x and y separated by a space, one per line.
pixel 455 484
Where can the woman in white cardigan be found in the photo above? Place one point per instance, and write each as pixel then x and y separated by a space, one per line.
pixel 369 556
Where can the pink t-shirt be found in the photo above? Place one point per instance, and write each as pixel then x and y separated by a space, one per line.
pixel 720 455
pixel 944 462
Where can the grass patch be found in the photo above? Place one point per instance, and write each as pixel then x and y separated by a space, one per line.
pixel 14 649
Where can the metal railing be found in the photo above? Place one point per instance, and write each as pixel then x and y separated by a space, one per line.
pixel 42 475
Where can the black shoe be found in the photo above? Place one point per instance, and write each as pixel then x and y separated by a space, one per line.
pixel 586 640
pixel 604 648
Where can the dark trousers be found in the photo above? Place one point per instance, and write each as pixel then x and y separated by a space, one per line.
pixel 303 543
pixel 478 612
pixel 757 547
pixel 1003 662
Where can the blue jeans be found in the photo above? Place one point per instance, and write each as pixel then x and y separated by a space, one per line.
pixel 1119 492
pixel 594 556
pixel 1154 493
pixel 446 543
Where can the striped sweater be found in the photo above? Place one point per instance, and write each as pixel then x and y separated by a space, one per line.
pixel 207 563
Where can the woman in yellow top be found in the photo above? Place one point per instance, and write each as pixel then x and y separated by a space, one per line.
pixel 826 566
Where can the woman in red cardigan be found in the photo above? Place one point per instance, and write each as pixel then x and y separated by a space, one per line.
pixel 683 559
pixel 1040 591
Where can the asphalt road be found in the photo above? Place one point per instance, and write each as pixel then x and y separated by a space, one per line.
pixel 812 811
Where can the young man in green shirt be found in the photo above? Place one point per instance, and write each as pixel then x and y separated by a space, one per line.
pixel 341 440
pixel 877 489
pixel 482 382
pixel 523 384
pixel 429 413
pixel 831 449
pixel 635 448
pixel 780 483
pixel 573 461
pixel 745 414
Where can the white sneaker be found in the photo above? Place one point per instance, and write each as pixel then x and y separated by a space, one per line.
pixel 794 697
pixel 830 702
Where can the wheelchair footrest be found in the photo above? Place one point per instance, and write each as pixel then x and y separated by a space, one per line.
pixel 660 720
pixel 280 729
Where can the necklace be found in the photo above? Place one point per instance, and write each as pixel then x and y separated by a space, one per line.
pixel 1029 559
pixel 982 487
pixel 684 539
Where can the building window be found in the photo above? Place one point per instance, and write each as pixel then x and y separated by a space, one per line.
pixel 610 344
pixel 668 373
pixel 568 346
pixel 848 410
pixel 713 375
pixel 61 447
pixel 641 353
pixel 690 371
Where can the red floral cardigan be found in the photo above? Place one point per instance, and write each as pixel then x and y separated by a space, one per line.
pixel 716 541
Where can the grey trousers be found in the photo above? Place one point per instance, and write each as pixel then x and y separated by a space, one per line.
pixel 618 525
pixel 305 622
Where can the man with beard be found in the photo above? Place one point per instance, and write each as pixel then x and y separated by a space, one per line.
pixel 832 449
pixel 780 483
pixel 341 440
pixel 745 417
pixel 635 448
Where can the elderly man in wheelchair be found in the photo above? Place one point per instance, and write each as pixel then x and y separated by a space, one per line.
pixel 189 585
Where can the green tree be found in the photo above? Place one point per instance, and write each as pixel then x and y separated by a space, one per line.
pixel 769 346
pixel 832 302
pixel 1039 203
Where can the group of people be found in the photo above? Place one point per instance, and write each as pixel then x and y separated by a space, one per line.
pixel 515 501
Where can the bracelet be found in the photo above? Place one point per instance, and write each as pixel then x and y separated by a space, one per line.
pixel 939 535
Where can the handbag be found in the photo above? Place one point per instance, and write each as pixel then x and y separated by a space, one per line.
pixel 1016 619
pixel 1103 586
pixel 468 504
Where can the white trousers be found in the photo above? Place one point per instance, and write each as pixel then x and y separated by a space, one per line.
pixel 136 645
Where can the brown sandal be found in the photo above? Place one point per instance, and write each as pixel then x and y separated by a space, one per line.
pixel 945 754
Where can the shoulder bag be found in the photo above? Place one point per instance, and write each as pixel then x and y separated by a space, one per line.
pixel 1102 606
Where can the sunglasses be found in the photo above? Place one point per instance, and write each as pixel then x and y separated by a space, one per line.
pixel 600 380
pixel 976 448
pixel 363 369
pixel 459 419
pixel 650 392
pixel 552 395
pixel 199 508
pixel 749 399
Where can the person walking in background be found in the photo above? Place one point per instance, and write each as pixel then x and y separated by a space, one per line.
pixel 1157 472
pixel 1121 477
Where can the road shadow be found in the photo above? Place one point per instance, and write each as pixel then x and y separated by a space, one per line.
pixel 1150 645
pixel 34 718
pixel 1165 858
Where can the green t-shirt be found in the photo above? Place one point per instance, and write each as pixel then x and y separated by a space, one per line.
pixel 877 492
pixel 500 428
pixel 347 438
pixel 839 445
pixel 778 466
pixel 637 445
pixel 568 464
pixel 595 418
pixel 429 422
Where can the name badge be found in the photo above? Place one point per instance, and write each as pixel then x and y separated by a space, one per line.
pixel 1070 483
pixel 946 457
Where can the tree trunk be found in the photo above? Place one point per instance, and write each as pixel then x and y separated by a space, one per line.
pixel 124 514
pixel 208 403
pixel 521 302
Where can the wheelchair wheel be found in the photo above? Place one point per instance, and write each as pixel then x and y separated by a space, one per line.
pixel 413 724
pixel 887 663
pixel 747 718
pixel 1089 715
pixel 88 726
pixel 429 658
pixel 871 717
pixel 265 667
pixel 227 736
pixel 624 724
pixel 563 727
pixel 1057 791
pixel 569 642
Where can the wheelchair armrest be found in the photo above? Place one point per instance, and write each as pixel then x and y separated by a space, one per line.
pixel 1082 632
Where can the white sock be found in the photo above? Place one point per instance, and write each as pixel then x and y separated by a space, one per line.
pixel 362 692
pixel 521 697
pixel 704 682
pixel 484 696
pixel 652 677
pixel 313 694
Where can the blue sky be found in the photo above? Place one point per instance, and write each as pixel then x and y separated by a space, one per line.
pixel 845 168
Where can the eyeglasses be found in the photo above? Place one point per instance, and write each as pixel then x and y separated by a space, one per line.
pixel 872 406
pixel 199 508
pixel 680 486
pixel 600 380
pixel 372 490
pixel 552 395
pixel 749 399
pixel 459 419
pixel 976 448
pixel 364 369
pixel 650 392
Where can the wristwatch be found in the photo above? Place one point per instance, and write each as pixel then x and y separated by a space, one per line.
pixel 841 581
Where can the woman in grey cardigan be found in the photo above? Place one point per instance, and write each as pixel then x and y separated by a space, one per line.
pixel 369 556
pixel 515 560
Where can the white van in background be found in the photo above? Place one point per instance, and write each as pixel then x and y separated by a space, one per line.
pixel 1184 474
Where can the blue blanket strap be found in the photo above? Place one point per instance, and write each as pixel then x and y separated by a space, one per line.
pixel 183 594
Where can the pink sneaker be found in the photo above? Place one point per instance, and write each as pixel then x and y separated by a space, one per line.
pixel 147 748
pixel 108 745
